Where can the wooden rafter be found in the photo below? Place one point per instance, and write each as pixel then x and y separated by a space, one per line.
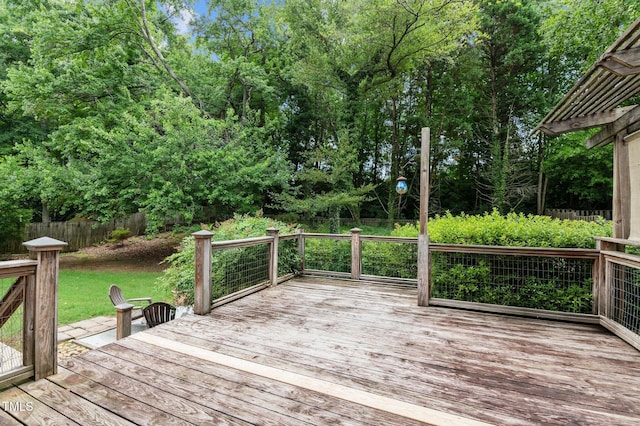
pixel 623 63
pixel 606 135
pixel 585 122
pixel 595 99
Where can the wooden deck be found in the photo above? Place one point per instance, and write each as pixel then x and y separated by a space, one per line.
pixel 315 351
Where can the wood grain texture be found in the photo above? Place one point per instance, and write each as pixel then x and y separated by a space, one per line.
pixel 202 278
pixel 29 410
pixel 46 314
pixel 322 351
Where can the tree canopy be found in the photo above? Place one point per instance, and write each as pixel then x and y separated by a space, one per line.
pixel 309 107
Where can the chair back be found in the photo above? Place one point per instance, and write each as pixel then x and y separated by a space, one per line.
pixel 158 313
pixel 115 294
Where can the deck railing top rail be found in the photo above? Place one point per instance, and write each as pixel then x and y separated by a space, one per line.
pixel 517 250
pixel 17 268
pixel 244 242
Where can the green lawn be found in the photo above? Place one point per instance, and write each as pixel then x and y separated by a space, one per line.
pixel 85 294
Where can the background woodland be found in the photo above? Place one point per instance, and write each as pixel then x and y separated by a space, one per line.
pixel 298 107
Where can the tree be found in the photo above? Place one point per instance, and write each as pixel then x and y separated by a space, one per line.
pixel 14 49
pixel 360 56
pixel 575 33
pixel 243 38
pixel 124 134
pixel 511 53
pixel 579 178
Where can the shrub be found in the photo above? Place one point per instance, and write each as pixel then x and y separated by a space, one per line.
pixel 482 278
pixel 179 276
pixel 513 229
pixel 118 235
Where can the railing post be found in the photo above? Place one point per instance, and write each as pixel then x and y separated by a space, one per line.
pixel 273 255
pixel 600 276
pixel 202 287
pixel 45 305
pixel 424 272
pixel 607 275
pixel 123 320
pixel 28 320
pixel 356 254
pixel 300 233
pixel 424 261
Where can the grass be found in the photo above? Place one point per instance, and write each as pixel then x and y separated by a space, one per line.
pixel 85 294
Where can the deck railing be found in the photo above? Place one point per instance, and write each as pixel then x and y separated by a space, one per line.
pixel 28 313
pixel 619 296
pixel 538 282
pixel 228 270
pixel 553 283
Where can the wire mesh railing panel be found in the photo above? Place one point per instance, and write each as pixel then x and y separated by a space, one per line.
pixel 539 282
pixel 288 257
pixel 624 296
pixel 236 269
pixel 10 333
pixel 390 259
pixel 327 255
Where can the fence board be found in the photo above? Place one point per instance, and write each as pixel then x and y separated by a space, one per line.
pixel 77 234
pixel 588 215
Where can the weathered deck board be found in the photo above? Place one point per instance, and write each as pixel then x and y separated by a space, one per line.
pixel 29 411
pixel 447 382
pixel 136 399
pixel 298 403
pixel 404 364
pixel 318 351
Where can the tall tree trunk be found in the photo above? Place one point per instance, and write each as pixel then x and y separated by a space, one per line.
pixel 45 212
pixel 334 220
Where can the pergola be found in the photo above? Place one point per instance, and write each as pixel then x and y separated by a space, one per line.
pixel 601 98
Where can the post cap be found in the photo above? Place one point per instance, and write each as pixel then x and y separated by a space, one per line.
pixel 203 234
pixel 44 244
pixel 124 307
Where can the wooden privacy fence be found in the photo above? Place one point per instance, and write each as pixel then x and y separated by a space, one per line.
pixel 588 215
pixel 77 234
pixel 582 285
pixel 28 314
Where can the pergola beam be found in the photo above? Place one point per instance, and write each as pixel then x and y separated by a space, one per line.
pixel 606 135
pixel 626 62
pixel 585 122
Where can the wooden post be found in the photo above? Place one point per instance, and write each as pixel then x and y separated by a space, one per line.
pixel 356 254
pixel 45 305
pixel 28 320
pixel 604 276
pixel 202 288
pixel 632 142
pixel 621 187
pixel 300 233
pixel 273 255
pixel 424 289
pixel 123 320
pixel 598 280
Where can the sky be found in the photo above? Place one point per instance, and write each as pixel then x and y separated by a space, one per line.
pixel 181 20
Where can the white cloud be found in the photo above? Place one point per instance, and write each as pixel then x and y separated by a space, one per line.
pixel 181 19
